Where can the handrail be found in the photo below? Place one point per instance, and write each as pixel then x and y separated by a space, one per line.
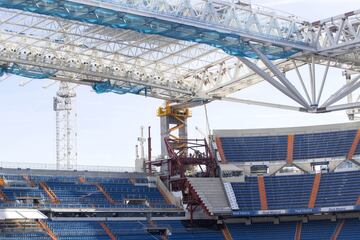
pixel 47 166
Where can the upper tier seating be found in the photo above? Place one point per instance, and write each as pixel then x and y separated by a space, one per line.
pixel 274 148
pixel 74 192
pixel 246 149
pixel 293 191
pixel 323 145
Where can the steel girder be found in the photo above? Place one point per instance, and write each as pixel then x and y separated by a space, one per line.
pixel 169 68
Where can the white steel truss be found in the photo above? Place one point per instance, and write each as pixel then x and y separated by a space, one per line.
pixel 180 71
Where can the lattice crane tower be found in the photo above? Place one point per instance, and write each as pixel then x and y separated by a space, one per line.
pixel 66 132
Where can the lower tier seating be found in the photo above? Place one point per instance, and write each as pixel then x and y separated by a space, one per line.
pixel 122 230
pixel 22 230
pixel 324 229
pixel 345 229
pixel 182 231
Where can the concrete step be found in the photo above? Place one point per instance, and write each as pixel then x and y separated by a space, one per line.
pixel 212 193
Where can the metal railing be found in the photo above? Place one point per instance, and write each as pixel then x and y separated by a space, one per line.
pixel 47 166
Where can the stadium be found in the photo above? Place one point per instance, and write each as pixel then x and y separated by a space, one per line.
pixel 262 183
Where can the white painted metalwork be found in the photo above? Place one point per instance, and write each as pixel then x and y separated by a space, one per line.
pixel 47 166
pixel 66 132
pixel 181 71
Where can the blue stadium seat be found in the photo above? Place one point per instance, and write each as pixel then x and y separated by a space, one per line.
pixel 263 231
pixel 248 149
pixel 274 148
pixel 350 230
pixel 293 191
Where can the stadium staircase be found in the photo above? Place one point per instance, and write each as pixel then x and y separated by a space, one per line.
pixel 46 228
pixel 226 233
pixel 290 149
pixel 212 193
pixel 262 193
pixel 108 231
pixel 168 196
pixel 3 196
pixel 28 181
pixel 314 191
pixel 49 192
pixel 338 229
pixel 102 190
pixel 298 231
pixel 2 182
pixel 354 145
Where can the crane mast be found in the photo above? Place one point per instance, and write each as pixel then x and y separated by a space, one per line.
pixel 66 132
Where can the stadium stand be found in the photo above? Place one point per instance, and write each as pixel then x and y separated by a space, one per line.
pixel 318 229
pixel 264 231
pixel 22 230
pixel 247 194
pixel 322 145
pixel 182 231
pixel 294 191
pixel 338 189
pixel 71 205
pixel 246 149
pixel 71 191
pixel 272 144
pixel 344 229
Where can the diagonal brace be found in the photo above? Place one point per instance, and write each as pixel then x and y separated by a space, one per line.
pixel 342 92
pixel 280 76
pixel 271 80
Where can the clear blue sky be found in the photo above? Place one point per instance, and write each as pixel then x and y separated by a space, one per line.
pixel 108 124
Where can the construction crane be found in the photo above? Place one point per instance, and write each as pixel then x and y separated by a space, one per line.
pixel 66 132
